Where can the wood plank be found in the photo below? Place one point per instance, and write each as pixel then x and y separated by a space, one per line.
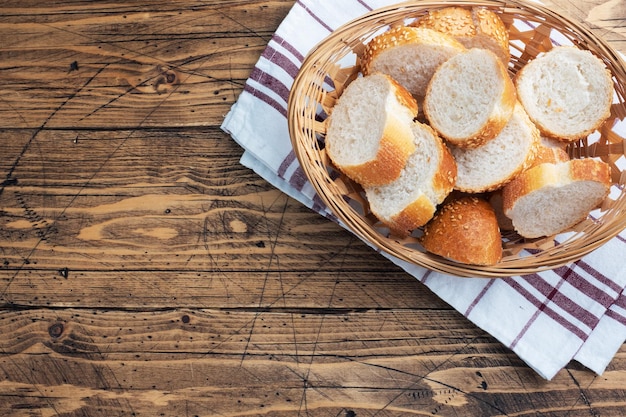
pixel 235 363
pixel 110 64
pixel 278 289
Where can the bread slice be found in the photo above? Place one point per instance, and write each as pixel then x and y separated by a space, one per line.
pixel 474 28
pixel 369 135
pixel 566 91
pixel 428 177
pixel 495 163
pixel 465 230
pixel 470 98
pixel 410 55
pixel 552 197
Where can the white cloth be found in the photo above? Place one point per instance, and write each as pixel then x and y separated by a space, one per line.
pixel 577 312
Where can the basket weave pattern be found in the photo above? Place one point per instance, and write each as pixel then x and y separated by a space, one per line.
pixel 532 29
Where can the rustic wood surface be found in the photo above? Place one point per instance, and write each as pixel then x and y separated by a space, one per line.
pixel 144 272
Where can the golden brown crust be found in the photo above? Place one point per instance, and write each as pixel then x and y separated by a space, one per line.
pixel 549 154
pixel 478 27
pixel 490 24
pixel 445 177
pixel 465 230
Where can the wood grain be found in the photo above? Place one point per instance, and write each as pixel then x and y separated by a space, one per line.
pixel 145 272
pixel 216 362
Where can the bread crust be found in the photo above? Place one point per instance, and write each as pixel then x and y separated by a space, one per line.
pixel 414 215
pixel 549 151
pixel 475 27
pixel 465 230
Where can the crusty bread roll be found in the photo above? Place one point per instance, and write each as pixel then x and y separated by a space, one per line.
pixel 566 91
pixel 490 166
pixel 369 135
pixel 474 28
pixel 465 230
pixel 470 98
pixel 552 197
pixel 410 55
pixel 428 177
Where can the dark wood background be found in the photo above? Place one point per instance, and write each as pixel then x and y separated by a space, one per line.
pixel 144 272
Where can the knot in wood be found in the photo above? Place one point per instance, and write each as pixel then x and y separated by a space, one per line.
pixel 56 330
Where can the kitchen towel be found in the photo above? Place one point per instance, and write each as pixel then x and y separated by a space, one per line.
pixel 575 312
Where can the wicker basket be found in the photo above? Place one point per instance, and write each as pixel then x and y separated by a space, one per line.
pixel 533 29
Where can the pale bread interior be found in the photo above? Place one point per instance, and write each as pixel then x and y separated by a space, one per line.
pixel 566 91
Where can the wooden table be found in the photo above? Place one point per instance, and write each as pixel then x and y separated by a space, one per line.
pixel 145 272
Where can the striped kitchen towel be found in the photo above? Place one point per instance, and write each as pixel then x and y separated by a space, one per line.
pixel 576 312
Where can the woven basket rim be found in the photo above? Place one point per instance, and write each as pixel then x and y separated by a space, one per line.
pixel 309 90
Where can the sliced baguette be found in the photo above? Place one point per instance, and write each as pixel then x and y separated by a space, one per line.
pixel 470 98
pixel 465 230
pixel 566 91
pixel 474 28
pixel 369 135
pixel 428 177
pixel 490 166
pixel 552 197
pixel 410 55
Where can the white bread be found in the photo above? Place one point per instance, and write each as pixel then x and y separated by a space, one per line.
pixel 470 98
pixel 495 163
pixel 474 28
pixel 465 230
pixel 552 197
pixel 410 55
pixel 428 177
pixel 566 91
pixel 369 135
